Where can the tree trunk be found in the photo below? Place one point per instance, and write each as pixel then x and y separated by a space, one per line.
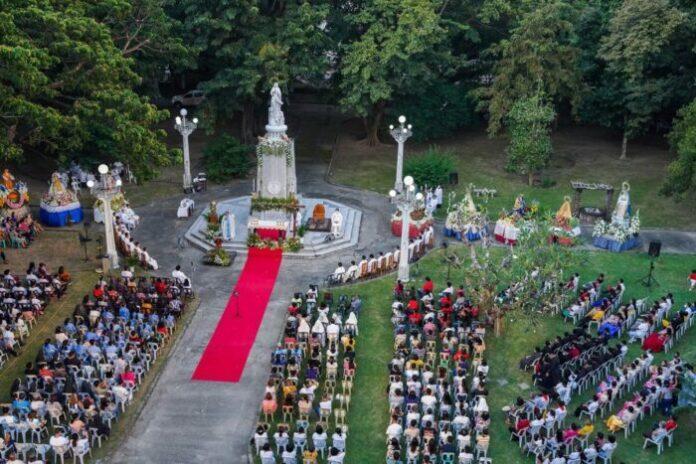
pixel 530 178
pixel 372 125
pixel 624 143
pixel 248 122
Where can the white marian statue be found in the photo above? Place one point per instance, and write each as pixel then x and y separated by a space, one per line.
pixel 227 226
pixel 622 212
pixel 276 118
pixel 336 223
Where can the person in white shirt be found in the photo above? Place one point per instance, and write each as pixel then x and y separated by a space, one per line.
pixel 339 273
pixel 58 440
pixel 352 272
pixel 179 276
pixel 394 430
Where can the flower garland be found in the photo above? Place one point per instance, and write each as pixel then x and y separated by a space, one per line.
pixel 275 147
pixel 289 204
pixel 291 244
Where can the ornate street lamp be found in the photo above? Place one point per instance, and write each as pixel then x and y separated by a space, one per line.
pixel 186 127
pixel 407 201
pixel 105 190
pixel 400 134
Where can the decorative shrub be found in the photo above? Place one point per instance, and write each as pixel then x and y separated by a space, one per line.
pixel 430 168
pixel 226 158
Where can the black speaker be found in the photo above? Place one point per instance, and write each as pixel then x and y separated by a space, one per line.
pixel 454 178
pixel 654 248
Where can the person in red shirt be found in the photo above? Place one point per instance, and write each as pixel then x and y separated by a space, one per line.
pixel 522 424
pixel 160 286
pixel 671 424
pixel 293 309
pixel 428 286
pixel 415 318
pixel 692 280
pixel 412 305
pixel 98 292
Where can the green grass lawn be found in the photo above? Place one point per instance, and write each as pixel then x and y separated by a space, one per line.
pixel 585 154
pixel 369 410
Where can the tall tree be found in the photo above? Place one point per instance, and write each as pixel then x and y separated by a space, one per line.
pixel 67 90
pixel 539 55
pixel 143 30
pixel 638 74
pixel 247 45
pixel 528 125
pixel 400 45
pixel 681 173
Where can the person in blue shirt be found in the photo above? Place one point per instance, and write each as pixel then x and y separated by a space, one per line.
pixel 49 350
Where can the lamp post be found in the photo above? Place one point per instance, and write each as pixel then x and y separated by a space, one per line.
pixel 105 190
pixel 186 127
pixel 400 134
pixel 406 201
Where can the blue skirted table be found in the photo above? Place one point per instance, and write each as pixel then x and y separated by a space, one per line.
pixel 470 235
pixel 611 244
pixel 60 216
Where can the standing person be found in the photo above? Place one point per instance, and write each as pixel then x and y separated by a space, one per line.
pixel 438 196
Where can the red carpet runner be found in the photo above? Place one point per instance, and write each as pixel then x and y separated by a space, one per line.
pixel 228 349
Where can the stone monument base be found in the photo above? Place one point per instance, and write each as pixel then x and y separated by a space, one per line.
pixel 315 243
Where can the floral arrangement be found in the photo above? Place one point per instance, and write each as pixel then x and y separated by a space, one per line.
pixel 213 228
pixel 117 202
pixel 217 256
pixel 617 231
pixel 291 244
pixel 275 147
pixel 289 204
pixel 14 198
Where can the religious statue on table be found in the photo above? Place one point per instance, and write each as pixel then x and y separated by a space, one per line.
pixel 566 228
pixel 624 226
pixel 58 194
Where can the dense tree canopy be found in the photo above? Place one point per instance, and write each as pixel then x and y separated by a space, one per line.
pixel 67 90
pixel 637 66
pixel 77 76
pixel 681 176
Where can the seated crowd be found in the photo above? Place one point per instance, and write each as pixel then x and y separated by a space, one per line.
pixel 311 382
pixel 18 233
pixel 658 392
pixel 538 424
pixel 374 266
pixel 437 379
pixel 23 300
pixel 84 375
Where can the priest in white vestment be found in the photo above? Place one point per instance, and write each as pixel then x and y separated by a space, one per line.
pixel 336 223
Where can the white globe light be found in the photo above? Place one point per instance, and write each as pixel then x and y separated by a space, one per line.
pixel 90 183
pixel 178 120
pixel 183 112
pixel 408 181
pixel 392 193
pixel 103 169
pixel 411 188
pixel 404 130
pixel 409 127
pixel 119 182
pixel 402 119
pixel 195 120
pixel 419 196
pixel 391 126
